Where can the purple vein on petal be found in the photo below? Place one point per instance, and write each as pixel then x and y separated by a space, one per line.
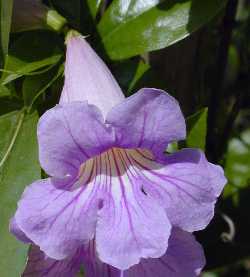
pixel 125 199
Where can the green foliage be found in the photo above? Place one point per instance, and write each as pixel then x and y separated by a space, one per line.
pixel 197 129
pixel 94 6
pixel 18 167
pixel 4 91
pixel 30 53
pixel 134 27
pixel 237 165
pixel 129 73
pixel 5 23
pixel 34 86
pixel 33 57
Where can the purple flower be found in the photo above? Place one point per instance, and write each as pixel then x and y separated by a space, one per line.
pixel 110 179
pixel 184 257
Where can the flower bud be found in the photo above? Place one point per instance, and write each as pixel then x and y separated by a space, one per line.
pixel 32 14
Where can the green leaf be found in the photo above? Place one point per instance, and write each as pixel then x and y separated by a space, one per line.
pixel 9 104
pixel 129 72
pixel 132 27
pixel 141 69
pixel 17 68
pixel 197 129
pixel 34 86
pixel 18 168
pixel 237 166
pixel 30 53
pixel 94 6
pixel 6 14
pixel 172 147
pixel 4 91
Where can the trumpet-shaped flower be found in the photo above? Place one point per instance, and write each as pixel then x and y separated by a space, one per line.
pixel 110 179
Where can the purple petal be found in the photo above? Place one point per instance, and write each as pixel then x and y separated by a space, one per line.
pixel 187 185
pixel 58 221
pixel 39 265
pixel 17 232
pixel 184 257
pixel 70 134
pixel 88 78
pixel 93 267
pixel 131 225
pixel 149 119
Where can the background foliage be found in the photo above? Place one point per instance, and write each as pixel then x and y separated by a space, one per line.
pixel 197 50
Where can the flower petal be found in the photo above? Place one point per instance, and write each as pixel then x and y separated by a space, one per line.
pixel 39 265
pixel 131 225
pixel 93 267
pixel 187 185
pixel 17 232
pixel 88 78
pixel 58 221
pixel 184 257
pixel 149 119
pixel 70 134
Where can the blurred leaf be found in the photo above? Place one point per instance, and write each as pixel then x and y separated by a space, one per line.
pixel 129 28
pixel 6 14
pixel 17 68
pixel 141 69
pixel 9 104
pixel 34 86
pixel 94 6
pixel 129 72
pixel 31 52
pixel 209 274
pixel 197 129
pixel 18 167
pixel 238 164
pixel 172 147
pixel 233 65
pixel 124 73
pixel 4 91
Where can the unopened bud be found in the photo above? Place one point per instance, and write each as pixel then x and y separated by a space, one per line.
pixel 32 15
